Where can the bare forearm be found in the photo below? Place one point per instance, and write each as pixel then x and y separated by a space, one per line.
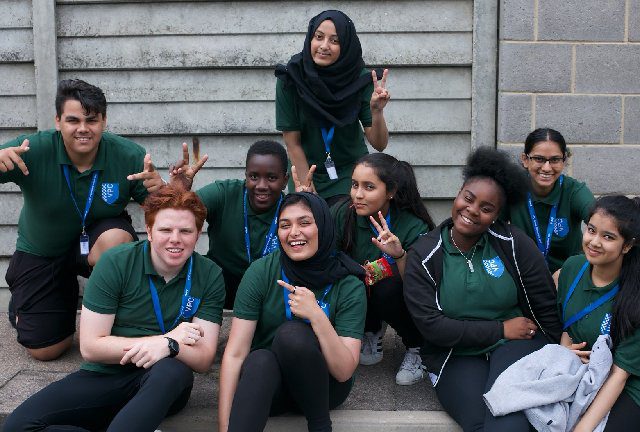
pixel 108 349
pixel 229 376
pixel 378 134
pixel 340 360
pixel 293 141
pixel 604 400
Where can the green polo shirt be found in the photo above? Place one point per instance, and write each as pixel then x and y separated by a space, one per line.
pixel 119 285
pixel 574 202
pixel 225 214
pixel 489 293
pixel 49 223
pixel 346 148
pixel 587 329
pixel 404 224
pixel 261 299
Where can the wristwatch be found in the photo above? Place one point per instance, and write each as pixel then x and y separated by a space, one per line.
pixel 174 347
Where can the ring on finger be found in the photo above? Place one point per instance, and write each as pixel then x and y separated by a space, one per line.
pixel 532 332
pixel 294 289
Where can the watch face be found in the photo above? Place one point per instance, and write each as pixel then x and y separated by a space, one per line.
pixel 174 347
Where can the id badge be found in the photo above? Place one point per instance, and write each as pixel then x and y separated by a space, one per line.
pixel 84 244
pixel 331 169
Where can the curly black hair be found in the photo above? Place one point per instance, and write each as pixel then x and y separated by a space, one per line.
pixel 499 166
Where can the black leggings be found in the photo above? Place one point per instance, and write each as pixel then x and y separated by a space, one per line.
pixel 624 416
pixel 292 376
pixel 385 301
pixel 132 400
pixel 466 378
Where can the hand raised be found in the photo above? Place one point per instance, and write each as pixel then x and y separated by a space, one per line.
pixel 386 241
pixel 182 173
pixel 11 156
pixel 150 177
pixel 307 186
pixel 380 95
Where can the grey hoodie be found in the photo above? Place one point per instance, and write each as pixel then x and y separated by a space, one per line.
pixel 552 386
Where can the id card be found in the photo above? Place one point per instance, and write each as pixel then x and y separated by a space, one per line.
pixel 331 168
pixel 84 244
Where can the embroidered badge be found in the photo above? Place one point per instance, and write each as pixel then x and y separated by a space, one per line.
pixel 605 326
pixel 110 192
pixel 561 227
pixel 494 266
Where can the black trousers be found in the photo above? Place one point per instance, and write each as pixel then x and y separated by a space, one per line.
pixel 133 400
pixel 466 378
pixel 624 416
pixel 291 376
pixel 385 302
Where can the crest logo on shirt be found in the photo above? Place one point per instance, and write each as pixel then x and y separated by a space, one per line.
pixel 561 227
pixel 493 266
pixel 110 192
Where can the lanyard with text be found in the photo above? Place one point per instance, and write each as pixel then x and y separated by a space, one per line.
pixel 327 137
pixel 186 303
pixel 323 305
pixel 390 260
pixel 544 247
pixel 590 307
pixel 271 242
pixel 84 238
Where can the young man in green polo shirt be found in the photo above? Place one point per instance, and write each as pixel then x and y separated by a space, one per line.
pixel 151 316
pixel 242 213
pixel 76 181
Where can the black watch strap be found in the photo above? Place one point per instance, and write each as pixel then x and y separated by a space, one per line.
pixel 174 347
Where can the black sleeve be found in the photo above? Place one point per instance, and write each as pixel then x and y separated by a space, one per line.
pixel 420 294
pixel 540 290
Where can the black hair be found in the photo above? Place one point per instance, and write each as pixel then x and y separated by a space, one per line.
pixel 268 147
pixel 90 97
pixel 292 199
pixel 489 163
pixel 399 179
pixel 546 134
pixel 626 304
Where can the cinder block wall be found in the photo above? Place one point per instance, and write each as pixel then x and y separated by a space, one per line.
pixel 573 65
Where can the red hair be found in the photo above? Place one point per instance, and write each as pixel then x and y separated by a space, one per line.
pixel 169 197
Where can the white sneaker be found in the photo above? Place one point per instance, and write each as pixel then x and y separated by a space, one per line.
pixel 411 370
pixel 371 351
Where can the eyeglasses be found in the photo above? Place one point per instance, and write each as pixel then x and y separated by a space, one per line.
pixel 541 160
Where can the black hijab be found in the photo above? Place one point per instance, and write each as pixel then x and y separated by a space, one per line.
pixel 331 94
pixel 326 266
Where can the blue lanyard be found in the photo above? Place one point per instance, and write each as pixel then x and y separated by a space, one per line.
pixel 271 242
pixel 92 188
pixel 387 219
pixel 327 137
pixel 590 307
pixel 287 309
pixel 156 300
pixel 544 247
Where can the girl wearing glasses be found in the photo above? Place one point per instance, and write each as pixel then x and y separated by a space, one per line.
pixel 599 293
pixel 556 204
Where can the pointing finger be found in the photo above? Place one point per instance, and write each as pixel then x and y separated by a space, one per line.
pixel 23 147
pixel 288 286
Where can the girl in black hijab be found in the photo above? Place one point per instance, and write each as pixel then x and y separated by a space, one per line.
pixel 298 321
pixel 323 96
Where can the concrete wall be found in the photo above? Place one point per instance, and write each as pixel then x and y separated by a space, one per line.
pixel 172 70
pixel 573 65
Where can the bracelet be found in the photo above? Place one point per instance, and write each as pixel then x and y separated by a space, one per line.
pixel 404 252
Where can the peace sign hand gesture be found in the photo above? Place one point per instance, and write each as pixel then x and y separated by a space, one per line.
pixel 307 186
pixel 380 95
pixel 182 173
pixel 386 241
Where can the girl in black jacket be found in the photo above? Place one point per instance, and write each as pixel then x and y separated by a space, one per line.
pixel 480 293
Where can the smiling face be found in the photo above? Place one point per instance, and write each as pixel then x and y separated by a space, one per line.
pixel 325 45
pixel 368 193
pixel 602 243
pixel 475 208
pixel 544 176
pixel 81 131
pixel 298 232
pixel 265 179
pixel 173 238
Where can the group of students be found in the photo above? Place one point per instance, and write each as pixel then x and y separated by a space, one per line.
pixel 313 276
